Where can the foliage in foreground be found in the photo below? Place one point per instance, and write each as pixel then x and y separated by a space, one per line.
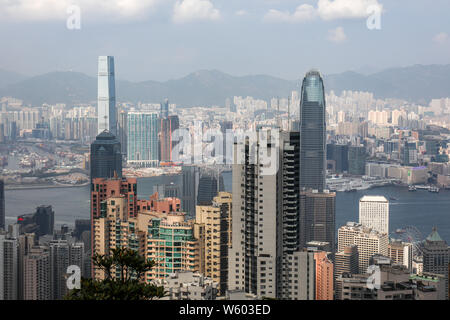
pixel 129 268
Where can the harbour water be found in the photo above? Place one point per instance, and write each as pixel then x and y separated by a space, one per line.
pixel 421 209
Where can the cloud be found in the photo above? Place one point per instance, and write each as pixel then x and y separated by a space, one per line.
pixel 337 35
pixel 241 13
pixel 304 12
pixel 47 10
pixel 327 10
pixel 441 38
pixel 191 10
pixel 346 9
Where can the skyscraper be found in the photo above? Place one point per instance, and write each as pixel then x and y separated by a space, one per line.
pixel 209 185
pixel 374 213
pixel 356 160
pixel 191 176
pixel 346 261
pixel 142 144
pixel 265 223
pixel 103 189
pixel 313 132
pixel 215 238
pixel 106 157
pixel 324 276
pixel 106 109
pixel 9 267
pixel 122 126
pixel 36 275
pixel 317 217
pixel 164 113
pixel 167 127
pixel 436 256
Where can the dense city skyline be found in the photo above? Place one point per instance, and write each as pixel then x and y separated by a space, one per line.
pixel 219 187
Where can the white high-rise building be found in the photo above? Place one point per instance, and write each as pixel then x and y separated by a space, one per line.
pixel 374 213
pixel 106 109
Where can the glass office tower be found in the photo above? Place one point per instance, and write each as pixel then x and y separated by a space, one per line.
pixel 142 139
pixel 106 95
pixel 106 157
pixel 312 132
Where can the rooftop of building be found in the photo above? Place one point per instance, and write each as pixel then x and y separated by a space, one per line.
pixel 434 236
pixel 373 199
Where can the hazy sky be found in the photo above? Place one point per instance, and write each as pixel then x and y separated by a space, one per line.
pixel 165 39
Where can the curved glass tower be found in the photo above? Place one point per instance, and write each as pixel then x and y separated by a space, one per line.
pixel 312 132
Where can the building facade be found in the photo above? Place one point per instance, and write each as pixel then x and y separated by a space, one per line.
pixel 106 109
pixel 313 132
pixel 374 213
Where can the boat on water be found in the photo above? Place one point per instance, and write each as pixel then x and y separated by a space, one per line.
pixel 393 198
pixel 412 188
pixel 434 189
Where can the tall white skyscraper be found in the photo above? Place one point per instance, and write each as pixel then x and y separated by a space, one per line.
pixel 374 213
pixel 106 111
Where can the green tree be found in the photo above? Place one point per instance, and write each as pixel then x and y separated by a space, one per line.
pixel 124 270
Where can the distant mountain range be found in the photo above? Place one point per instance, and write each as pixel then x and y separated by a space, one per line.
pixel 211 87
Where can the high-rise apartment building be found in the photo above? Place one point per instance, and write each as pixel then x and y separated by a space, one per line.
pixel 9 267
pixel 37 284
pixel 300 282
pixel 142 139
pixel 346 261
pixel 171 244
pixel 106 108
pixel 324 285
pixel 374 213
pixel 368 241
pixel 155 228
pixel 313 132
pixel 106 157
pixel 214 237
pixel 401 253
pixel 103 189
pixel 266 215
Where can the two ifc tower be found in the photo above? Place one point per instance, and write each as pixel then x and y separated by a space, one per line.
pixel 106 157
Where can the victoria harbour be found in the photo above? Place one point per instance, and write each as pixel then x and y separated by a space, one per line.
pixel 421 209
